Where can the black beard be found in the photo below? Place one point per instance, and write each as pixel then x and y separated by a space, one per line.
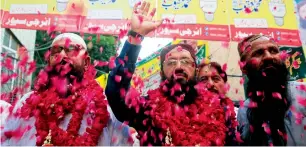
pixel 185 96
pixel 269 109
pixel 271 76
pixel 72 77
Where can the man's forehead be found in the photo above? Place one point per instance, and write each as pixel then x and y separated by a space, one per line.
pixel 179 52
pixel 263 44
pixel 209 70
pixel 67 42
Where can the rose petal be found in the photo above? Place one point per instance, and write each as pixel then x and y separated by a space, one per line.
pixel 224 67
pixel 117 78
pixel 277 95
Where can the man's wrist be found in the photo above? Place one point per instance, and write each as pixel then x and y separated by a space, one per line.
pixel 134 37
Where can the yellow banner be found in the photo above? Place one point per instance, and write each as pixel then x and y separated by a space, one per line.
pixel 273 13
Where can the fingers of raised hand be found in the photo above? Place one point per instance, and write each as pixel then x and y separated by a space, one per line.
pixel 146 8
pixel 151 14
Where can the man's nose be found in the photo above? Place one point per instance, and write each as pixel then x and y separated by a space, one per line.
pixel 63 53
pixel 267 54
pixel 178 65
pixel 210 83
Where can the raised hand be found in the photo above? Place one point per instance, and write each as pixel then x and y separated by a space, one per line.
pixel 141 21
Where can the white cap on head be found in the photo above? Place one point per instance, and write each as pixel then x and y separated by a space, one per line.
pixel 74 38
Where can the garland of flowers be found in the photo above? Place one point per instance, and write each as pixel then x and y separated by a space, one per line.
pixel 49 110
pixel 201 123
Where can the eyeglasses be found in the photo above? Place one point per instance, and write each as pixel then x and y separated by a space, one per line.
pixel 174 62
pixel 58 49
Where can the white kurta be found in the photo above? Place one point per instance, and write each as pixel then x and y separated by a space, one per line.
pixel 112 135
pixel 4 111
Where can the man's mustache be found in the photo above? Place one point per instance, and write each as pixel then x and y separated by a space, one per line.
pixel 269 63
pixel 213 89
pixel 179 72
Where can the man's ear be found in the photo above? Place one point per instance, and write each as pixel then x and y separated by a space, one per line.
pixel 197 72
pixel 87 61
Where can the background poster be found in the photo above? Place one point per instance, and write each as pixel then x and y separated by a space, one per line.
pixel 301 16
pixel 295 62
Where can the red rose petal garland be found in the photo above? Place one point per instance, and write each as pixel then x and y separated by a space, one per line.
pixel 49 110
pixel 201 123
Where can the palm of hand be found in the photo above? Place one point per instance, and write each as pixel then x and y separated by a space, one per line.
pixel 141 21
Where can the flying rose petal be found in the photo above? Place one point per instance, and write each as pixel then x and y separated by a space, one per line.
pixel 277 95
pixel 121 62
pixel 51 29
pixel 252 104
pixel 241 64
pixel 179 48
pixel 224 67
pixel 117 78
pixel 225 44
pixel 101 49
pixel 238 137
pixel 242 81
pixel 114 139
pixel 67 43
pixel 8 63
pixel 112 63
pixel 122 92
pixel 259 93
pixel 270 144
pixel 280 133
pixel 6 77
pixel 301 100
pixel 32 67
pixel 251 129
pixel 122 33
pixel 18 133
pixel 266 128
pixel 247 10
pixel 301 87
pixel 284 55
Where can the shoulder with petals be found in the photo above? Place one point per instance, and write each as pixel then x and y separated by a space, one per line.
pixel 4 110
pixel 21 101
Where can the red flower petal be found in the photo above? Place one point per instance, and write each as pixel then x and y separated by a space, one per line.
pixel 277 95
pixel 284 55
pixel 117 78
pixel 247 10
pixel 224 67
pixel 8 63
pixel 101 49
pixel 112 63
pixel 241 81
pixel 225 44
pixel 238 137
pixel 301 100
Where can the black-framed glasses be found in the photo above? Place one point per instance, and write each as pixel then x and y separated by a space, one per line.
pixel 174 62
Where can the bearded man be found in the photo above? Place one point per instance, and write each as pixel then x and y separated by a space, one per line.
pixel 67 106
pixel 176 113
pixel 264 118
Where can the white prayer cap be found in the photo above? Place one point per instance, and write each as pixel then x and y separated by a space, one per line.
pixel 74 38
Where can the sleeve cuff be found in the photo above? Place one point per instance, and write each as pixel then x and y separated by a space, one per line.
pixel 131 51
